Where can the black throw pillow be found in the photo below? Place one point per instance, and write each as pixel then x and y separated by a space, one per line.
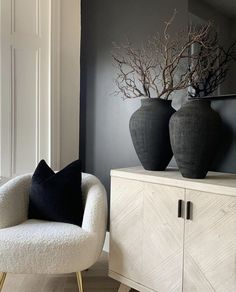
pixel 56 196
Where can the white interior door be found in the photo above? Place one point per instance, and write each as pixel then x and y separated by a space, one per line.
pixel 25 84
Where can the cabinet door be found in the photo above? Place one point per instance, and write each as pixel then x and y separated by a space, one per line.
pixel 210 243
pixel 125 256
pixel 146 234
pixel 163 231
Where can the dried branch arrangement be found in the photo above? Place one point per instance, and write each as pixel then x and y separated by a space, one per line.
pixel 159 67
pixel 209 65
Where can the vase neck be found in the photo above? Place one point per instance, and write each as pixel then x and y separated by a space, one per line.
pixel 151 101
pixel 198 102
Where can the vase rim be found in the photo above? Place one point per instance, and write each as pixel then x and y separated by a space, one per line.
pixel 155 99
pixel 198 101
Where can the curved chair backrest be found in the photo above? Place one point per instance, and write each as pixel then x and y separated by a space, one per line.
pixel 95 212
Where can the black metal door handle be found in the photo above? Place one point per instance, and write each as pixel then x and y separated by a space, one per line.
pixel 189 211
pixel 180 203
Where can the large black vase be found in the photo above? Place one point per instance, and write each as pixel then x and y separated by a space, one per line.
pixel 195 133
pixel 149 128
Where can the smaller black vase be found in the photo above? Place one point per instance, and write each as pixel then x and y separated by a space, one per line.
pixel 194 134
pixel 149 129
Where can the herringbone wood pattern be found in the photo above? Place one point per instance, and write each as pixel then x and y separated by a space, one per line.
pixel 210 243
pixel 146 234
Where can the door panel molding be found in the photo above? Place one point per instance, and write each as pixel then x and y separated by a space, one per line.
pixel 25 85
pixel 55 84
pixel 24 18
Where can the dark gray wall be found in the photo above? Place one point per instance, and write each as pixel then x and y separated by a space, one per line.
pixel 226 158
pixel 105 138
pixel 226 26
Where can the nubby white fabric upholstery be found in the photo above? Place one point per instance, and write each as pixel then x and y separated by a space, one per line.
pixel 35 246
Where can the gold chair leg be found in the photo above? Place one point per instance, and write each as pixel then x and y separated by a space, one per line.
pixel 79 281
pixel 2 280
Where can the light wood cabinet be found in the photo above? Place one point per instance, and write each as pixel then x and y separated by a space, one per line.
pixel 210 243
pixel 170 234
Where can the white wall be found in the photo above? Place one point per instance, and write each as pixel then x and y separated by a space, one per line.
pixel 69 80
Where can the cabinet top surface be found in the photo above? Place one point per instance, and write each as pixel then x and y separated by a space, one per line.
pixel 216 182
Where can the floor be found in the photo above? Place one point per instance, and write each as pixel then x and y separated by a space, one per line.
pixel 94 280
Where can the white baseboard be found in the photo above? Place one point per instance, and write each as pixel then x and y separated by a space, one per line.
pixel 106 243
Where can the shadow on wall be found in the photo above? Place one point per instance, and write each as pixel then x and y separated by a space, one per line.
pixel 225 161
pixel 227 139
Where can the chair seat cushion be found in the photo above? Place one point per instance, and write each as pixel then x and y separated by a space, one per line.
pixel 57 196
pixel 46 247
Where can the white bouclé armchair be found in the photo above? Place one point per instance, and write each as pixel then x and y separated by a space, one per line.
pixel 43 247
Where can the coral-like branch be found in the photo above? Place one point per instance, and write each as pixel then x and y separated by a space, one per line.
pixel 167 63
pixel 210 65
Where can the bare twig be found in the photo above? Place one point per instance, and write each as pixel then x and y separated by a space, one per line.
pixel 166 63
pixel 210 65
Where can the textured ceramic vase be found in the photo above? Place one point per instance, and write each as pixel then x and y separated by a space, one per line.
pixel 149 128
pixel 195 133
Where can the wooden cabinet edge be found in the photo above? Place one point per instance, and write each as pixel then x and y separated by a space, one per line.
pixel 124 288
pixel 128 282
pixel 203 185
